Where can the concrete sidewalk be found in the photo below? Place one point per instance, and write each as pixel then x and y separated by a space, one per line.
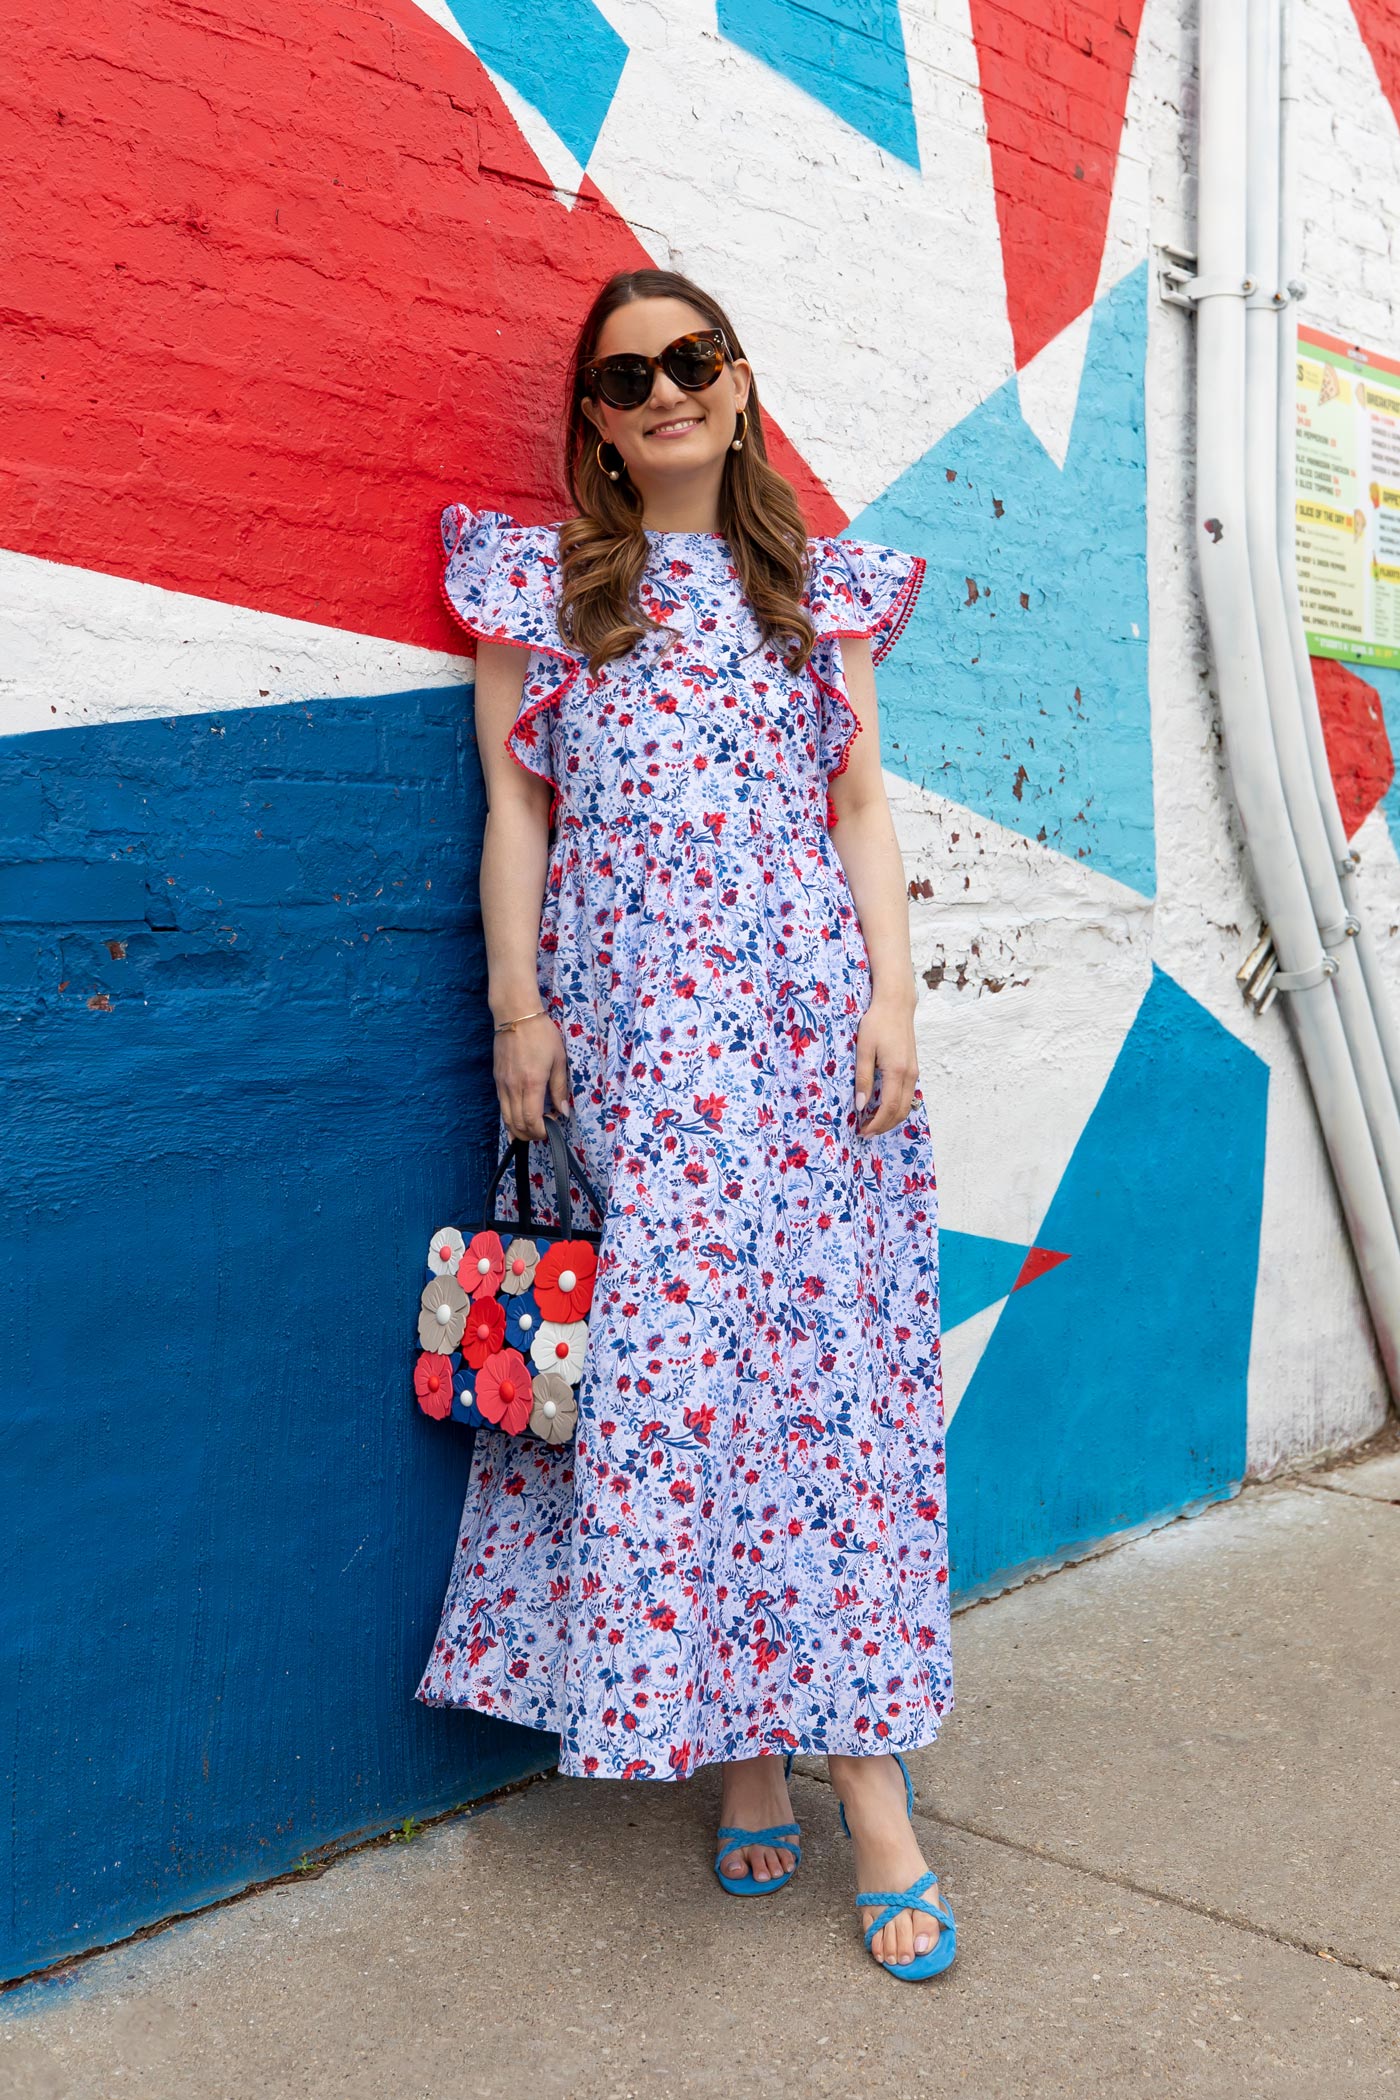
pixel 1166 1812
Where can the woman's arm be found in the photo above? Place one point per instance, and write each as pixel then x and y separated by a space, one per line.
pixel 514 862
pixel 864 838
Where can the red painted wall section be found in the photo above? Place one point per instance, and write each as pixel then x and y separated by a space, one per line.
pixel 1379 23
pixel 289 279
pixel 1354 731
pixel 1054 88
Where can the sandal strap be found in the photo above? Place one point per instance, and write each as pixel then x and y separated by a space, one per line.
pixel 777 1834
pixel 893 1901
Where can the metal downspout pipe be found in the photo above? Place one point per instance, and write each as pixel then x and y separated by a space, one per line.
pixel 1346 860
pixel 1337 925
pixel 1227 589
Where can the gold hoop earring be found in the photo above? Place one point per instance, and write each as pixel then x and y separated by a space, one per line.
pixel 613 473
pixel 738 443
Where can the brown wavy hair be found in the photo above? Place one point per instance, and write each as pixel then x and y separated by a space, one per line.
pixel 603 551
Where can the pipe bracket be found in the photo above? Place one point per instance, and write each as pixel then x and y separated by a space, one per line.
pixel 1178 289
pixel 1304 980
pixel 1259 976
pixel 1345 929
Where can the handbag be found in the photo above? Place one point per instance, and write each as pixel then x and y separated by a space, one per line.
pixel 503 1317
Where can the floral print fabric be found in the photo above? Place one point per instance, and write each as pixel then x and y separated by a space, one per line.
pixel 744 1547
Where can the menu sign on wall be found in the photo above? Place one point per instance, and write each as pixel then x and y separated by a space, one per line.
pixel 1348 499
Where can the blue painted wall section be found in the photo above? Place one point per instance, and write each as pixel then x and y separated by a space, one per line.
pixel 1387 685
pixel 563 56
pixel 246 1076
pixel 974 1272
pixel 1020 685
pixel 1114 1392
pixel 849 54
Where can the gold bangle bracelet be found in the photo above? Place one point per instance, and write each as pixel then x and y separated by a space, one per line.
pixel 519 1017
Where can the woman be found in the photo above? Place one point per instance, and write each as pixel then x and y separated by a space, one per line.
pixel 697 934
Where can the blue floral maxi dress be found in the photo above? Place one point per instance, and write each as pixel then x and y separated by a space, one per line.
pixel 744 1549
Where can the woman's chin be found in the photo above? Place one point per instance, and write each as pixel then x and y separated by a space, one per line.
pixel 674 459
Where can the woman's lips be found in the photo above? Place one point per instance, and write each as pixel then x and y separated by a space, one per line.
pixel 676 430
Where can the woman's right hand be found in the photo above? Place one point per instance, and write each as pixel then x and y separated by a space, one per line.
pixel 530 1061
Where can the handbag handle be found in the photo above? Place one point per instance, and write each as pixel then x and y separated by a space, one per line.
pixel 561 1154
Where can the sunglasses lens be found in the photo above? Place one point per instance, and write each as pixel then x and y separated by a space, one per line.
pixel 695 361
pixel 691 362
pixel 624 382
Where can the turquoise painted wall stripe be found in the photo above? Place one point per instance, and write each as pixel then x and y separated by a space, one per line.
pixel 1113 1391
pixel 1019 687
pixel 848 56
pixel 563 56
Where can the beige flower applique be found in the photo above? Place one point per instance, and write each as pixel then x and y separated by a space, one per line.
pixel 443 1314
pixel 522 1260
pixel 555 1411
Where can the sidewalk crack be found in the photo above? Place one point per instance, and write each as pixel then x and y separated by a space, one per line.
pixel 1325 1487
pixel 1388 1976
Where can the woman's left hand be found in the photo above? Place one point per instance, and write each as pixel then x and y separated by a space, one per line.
pixel 885 1044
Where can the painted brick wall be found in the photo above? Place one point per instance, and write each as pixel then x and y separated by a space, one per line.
pixel 238 952
pixel 279 283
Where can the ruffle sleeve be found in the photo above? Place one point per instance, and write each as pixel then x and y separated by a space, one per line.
pixel 862 591
pixel 498 581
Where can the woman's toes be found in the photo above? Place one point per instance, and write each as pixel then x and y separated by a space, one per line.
pixel 763 1862
pixel 895 1942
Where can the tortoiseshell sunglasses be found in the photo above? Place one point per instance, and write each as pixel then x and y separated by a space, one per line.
pixel 692 361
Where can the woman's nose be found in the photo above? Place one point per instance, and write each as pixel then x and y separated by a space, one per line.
pixel 664 392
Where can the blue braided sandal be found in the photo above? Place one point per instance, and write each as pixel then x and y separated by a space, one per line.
pixel 784 1834
pixel 892 1901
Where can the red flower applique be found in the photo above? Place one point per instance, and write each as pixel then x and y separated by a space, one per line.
pixel 503 1390
pixel 564 1281
pixel 432 1382
pixel 483 1265
pixel 485 1331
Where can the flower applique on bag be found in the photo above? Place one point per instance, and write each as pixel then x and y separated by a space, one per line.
pixel 503 1317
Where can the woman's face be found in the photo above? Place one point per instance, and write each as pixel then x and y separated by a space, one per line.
pixel 673 434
